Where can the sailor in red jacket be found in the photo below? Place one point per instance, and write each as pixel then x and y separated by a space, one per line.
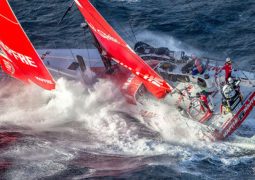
pixel 204 101
pixel 228 69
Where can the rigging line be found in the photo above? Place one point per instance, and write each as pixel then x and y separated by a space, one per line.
pixel 191 7
pixel 119 27
pixel 57 28
pixel 82 74
pixel 243 73
pixel 134 55
pixel 157 80
pixel 67 11
pixel 54 44
pixel 130 25
pixel 132 30
pixel 125 34
pixel 86 46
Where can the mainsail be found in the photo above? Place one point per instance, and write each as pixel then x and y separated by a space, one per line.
pixel 19 58
pixel 116 49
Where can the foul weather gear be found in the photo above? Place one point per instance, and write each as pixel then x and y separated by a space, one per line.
pixel 228 70
pixel 204 101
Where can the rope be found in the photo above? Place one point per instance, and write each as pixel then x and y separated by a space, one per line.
pixel 132 30
pixel 192 101
pixel 86 46
pixel 244 74
pixel 130 25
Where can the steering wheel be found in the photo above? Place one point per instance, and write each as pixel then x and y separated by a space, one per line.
pixel 195 108
pixel 217 78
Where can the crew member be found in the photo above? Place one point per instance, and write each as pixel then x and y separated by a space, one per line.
pixel 203 97
pixel 194 70
pixel 234 84
pixel 228 69
pixel 198 66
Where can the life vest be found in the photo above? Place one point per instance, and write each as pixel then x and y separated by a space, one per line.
pixel 203 98
pixel 227 68
pixel 198 65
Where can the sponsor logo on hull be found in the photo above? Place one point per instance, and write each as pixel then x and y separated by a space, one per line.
pixel 234 122
pixel 9 67
pixel 149 78
pixel 240 116
pixel 20 57
pixel 44 80
pixel 102 34
pixel 247 106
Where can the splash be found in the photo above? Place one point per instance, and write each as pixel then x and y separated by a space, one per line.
pixel 33 107
pixel 98 114
pixel 92 115
pixel 164 40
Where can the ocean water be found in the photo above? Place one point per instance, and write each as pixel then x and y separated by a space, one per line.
pixel 80 132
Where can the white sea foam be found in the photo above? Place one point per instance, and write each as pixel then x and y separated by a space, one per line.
pixel 30 106
pixel 94 109
pixel 37 108
pixel 86 118
pixel 163 40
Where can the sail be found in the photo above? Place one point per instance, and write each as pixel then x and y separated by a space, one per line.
pixel 19 58
pixel 116 49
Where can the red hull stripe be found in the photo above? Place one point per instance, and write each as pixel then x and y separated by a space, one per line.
pixel 237 120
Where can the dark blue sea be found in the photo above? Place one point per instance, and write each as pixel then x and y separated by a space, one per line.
pixel 87 133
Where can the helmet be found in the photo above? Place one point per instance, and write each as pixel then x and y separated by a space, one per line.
pixel 228 60
pixel 225 87
pixel 230 80
pixel 228 91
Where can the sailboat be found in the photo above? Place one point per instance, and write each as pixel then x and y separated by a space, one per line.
pixel 142 73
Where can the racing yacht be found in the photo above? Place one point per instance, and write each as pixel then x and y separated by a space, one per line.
pixel 142 73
